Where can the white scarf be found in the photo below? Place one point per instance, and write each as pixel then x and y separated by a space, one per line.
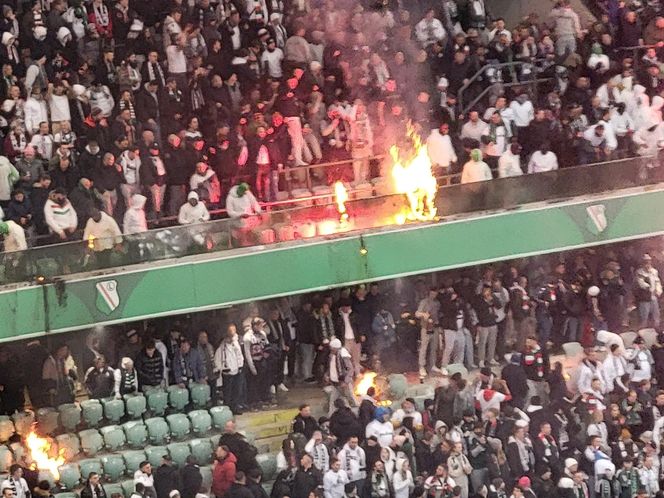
pixel 101 14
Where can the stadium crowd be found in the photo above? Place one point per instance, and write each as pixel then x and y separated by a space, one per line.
pixel 118 113
pixel 526 426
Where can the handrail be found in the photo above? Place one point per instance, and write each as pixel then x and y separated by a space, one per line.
pixel 537 81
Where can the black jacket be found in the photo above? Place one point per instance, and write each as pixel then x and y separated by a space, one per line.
pixel 166 479
pixel 86 492
pixel 340 326
pixel 150 369
pixel 486 311
pixel 305 426
pixel 243 451
pixel 305 482
pixel 344 424
pixel 84 201
pixel 191 480
pixel 239 491
pixel 146 106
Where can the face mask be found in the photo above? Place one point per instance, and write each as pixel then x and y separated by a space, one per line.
pixel 61 201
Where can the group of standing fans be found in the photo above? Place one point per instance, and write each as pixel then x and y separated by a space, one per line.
pixel 116 113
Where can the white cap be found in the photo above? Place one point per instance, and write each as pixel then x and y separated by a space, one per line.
pixel 335 343
pixel 570 462
pixel 39 32
pixel 78 90
pixel 8 105
pixel 593 291
pixel 522 424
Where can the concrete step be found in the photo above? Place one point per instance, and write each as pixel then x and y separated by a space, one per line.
pixel 250 420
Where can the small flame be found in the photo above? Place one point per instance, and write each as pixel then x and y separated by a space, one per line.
pixel 366 380
pixel 39 451
pixel 340 198
pixel 91 241
pixel 414 178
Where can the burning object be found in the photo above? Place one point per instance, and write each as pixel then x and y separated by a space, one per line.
pixel 340 198
pixel 40 450
pixel 413 177
pixel 367 380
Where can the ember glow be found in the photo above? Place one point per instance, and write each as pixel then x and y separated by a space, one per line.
pixel 414 177
pixel 340 198
pixel 91 241
pixel 364 382
pixel 39 451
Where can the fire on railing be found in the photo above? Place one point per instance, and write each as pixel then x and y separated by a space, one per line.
pixel 367 380
pixel 40 451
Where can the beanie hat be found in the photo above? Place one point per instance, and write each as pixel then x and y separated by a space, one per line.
pixel 380 412
pixel 335 343
pixel 4 228
pixel 524 482
pixel 476 155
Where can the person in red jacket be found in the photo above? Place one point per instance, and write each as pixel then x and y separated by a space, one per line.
pixel 223 474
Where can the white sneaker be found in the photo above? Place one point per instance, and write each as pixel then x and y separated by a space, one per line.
pixel 423 372
pixel 273 390
pixel 436 370
pixel 481 364
pixel 282 388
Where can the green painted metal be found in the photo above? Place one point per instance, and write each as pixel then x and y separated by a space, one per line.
pixel 192 284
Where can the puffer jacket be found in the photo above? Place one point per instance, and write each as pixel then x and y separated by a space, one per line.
pixel 150 369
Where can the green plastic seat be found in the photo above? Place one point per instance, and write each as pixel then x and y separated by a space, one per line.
pixel 70 475
pixel 114 466
pixel 178 397
pixel 88 465
pixel 136 433
pixel 136 404
pixel 128 488
pixel 158 431
pixel 268 464
pixel 6 428
pixel 200 395
pixel 47 419
pixel 206 473
pixel 23 422
pixel 179 453
pixel 220 415
pixel 70 416
pixel 92 412
pixel 215 440
pixel 202 449
pixel 179 425
pixel 114 437
pixel 133 459
pixel 157 401
pixel 201 421
pixel 69 446
pixel 92 442
pixel 67 494
pixel 6 458
pixel 45 475
pixel 114 409
pixel 154 455
pixel 112 488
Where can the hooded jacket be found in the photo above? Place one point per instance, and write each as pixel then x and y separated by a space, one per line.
pixel 193 214
pixel 237 205
pixel 134 218
pixel 60 218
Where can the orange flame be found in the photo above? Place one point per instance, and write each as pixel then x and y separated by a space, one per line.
pixel 91 241
pixel 39 448
pixel 414 178
pixel 364 382
pixel 340 198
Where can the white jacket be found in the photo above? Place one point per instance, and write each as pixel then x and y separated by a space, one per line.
pixel 384 432
pixel 35 112
pixel 228 359
pixel 8 177
pixel 539 163
pixel 238 206
pixel 60 218
pixel 509 164
pixel 475 171
pixel 15 239
pixel 440 149
pixel 613 368
pixel 587 371
pixel 193 214
pixel 106 233
pixel 134 219
pixel 334 484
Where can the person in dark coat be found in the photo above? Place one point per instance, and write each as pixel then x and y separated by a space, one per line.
pixel 12 382
pixel 344 423
pixel 240 447
pixel 191 478
pixel 254 477
pixel 307 478
pixel 149 366
pixel 304 423
pixel 93 487
pixel 85 199
pixel 515 378
pixel 239 489
pixel 166 477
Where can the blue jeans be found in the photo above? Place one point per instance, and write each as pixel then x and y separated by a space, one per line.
pixel 649 309
pixel 572 329
pixel 544 326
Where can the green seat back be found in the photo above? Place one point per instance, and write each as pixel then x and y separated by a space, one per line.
pixel 114 409
pixel 6 428
pixel 201 421
pixel 128 487
pixel 268 464
pixel 157 401
pixel 136 432
pixel 220 415
pixel 93 412
pixel 114 437
pixel 70 475
pixel 179 453
pixel 88 465
pixel 200 395
pixel 47 418
pixel 92 442
pixel 69 446
pixel 178 397
pixel 70 416
pixel 67 494
pixel 133 459
pixel 154 454
pixel 136 405
pixel 112 488
pixel 202 450
pixel 179 425
pixel 114 466
pixel 158 431
pixel 23 422
pixel 206 473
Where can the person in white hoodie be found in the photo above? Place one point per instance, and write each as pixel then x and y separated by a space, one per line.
pixel 638 107
pixel 542 160
pixel 193 211
pixel 13 236
pixel 242 206
pixel 334 480
pixel 134 218
pixel 648 139
pixel 353 461
pixel 475 170
pixel 228 364
pixel 440 149
pixel 102 234
pixel 381 427
pixel 402 479
pixel 318 452
pixel 131 166
pixel 60 215
pixel 623 127
pixel 509 163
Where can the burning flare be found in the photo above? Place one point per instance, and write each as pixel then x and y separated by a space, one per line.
pixel 91 242
pixel 39 451
pixel 413 177
pixel 364 382
pixel 340 198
